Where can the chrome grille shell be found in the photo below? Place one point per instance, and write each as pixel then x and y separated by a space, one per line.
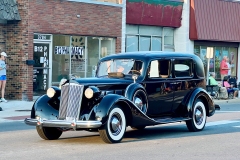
pixel 70 103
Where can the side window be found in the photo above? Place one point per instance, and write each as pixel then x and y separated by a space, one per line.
pixel 183 68
pixel 159 69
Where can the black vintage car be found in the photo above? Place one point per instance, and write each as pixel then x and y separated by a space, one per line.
pixel 130 89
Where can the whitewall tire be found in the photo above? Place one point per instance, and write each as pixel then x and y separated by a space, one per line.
pixel 115 127
pixel 199 117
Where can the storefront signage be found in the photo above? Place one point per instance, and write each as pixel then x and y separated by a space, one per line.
pixel 67 50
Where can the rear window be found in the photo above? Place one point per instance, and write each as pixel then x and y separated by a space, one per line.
pixel 183 68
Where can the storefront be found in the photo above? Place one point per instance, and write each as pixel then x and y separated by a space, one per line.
pixel 211 27
pixel 220 49
pixel 62 56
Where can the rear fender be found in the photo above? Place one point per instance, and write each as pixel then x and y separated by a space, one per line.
pixel 42 109
pixel 200 93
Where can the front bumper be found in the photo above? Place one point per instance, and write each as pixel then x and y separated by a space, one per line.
pixel 63 123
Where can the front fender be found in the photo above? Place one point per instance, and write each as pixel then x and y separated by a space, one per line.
pixel 134 115
pixel 42 109
pixel 106 104
pixel 200 93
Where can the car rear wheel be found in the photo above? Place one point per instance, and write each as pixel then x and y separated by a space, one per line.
pixel 48 133
pixel 115 127
pixel 198 119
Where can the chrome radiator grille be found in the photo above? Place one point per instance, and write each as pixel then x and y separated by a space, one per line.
pixel 71 99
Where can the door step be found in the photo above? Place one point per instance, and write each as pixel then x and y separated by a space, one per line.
pixel 169 120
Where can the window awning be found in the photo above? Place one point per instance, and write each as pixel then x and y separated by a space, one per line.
pixel 215 20
pixel 9 10
pixel 154 12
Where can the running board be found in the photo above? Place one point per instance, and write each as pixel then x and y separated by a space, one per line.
pixel 169 120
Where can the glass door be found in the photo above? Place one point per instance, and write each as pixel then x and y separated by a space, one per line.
pixel 41 68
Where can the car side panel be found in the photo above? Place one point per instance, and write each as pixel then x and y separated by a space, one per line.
pixel 160 97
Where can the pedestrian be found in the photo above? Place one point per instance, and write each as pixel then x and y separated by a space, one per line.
pixel 224 67
pixel 229 66
pixel 222 90
pixel 3 76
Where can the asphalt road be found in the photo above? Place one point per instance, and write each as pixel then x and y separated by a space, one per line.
pixel 219 140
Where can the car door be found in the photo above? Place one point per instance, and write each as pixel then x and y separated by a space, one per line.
pixel 183 82
pixel 159 88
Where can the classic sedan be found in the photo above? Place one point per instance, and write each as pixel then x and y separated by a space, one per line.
pixel 130 89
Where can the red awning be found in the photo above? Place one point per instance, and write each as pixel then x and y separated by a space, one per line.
pixel 215 20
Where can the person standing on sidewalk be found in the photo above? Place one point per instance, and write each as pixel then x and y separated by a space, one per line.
pixel 224 67
pixel 3 77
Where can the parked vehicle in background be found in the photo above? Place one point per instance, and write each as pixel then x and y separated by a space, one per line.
pixel 130 89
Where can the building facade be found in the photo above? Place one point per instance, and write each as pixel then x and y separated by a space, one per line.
pixel 62 38
pixel 49 40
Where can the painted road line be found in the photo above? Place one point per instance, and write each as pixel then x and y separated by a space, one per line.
pixel 237 126
pixel 220 122
pixel 229 111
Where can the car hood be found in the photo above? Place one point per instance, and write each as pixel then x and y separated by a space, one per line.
pixel 99 81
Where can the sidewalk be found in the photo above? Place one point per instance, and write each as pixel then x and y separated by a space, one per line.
pixel 15 110
pixel 19 110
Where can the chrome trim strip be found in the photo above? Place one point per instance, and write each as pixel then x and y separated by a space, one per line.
pixel 63 123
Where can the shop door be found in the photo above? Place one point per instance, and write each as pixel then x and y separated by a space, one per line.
pixel 41 69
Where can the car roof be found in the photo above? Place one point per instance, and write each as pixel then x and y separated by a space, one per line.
pixel 148 55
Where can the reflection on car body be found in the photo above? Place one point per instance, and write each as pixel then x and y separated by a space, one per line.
pixel 151 88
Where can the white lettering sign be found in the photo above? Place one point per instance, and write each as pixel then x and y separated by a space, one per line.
pixel 67 50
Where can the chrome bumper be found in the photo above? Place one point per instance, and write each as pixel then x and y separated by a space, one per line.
pixel 63 123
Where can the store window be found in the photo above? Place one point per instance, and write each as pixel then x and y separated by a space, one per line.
pixel 219 53
pixel 77 56
pixel 149 38
pixel 168 39
pixel 98 47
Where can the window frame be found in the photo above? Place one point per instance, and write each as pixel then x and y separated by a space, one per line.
pixel 169 69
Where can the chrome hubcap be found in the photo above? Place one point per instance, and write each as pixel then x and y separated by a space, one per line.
pixel 198 115
pixel 116 124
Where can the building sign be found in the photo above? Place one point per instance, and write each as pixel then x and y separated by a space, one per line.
pixel 42 36
pixel 40 70
pixel 69 50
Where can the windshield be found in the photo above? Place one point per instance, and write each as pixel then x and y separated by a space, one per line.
pixel 125 66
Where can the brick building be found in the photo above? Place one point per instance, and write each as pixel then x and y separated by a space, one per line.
pixel 46 32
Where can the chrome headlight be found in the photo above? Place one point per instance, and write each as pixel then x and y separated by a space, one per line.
pixel 88 93
pixel 92 92
pixel 51 92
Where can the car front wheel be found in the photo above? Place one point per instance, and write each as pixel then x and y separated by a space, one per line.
pixel 198 119
pixel 114 128
pixel 48 133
